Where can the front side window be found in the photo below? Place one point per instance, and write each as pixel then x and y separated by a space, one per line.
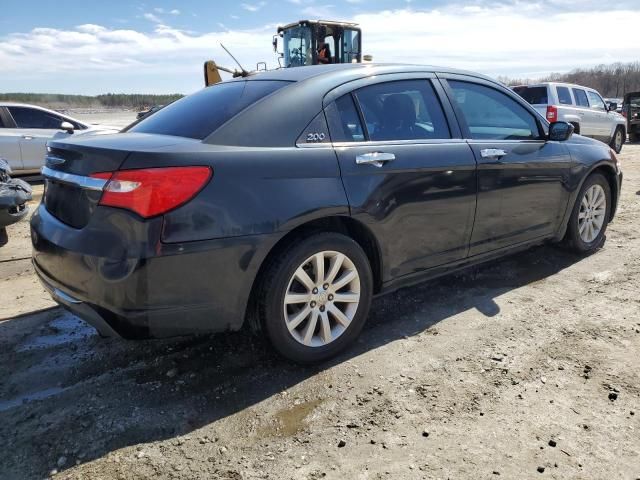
pixel 200 114
pixel 564 96
pixel 402 110
pixel 596 102
pixel 26 117
pixel 581 97
pixel 491 114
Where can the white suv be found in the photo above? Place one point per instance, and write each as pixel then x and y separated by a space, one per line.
pixel 26 129
pixel 581 106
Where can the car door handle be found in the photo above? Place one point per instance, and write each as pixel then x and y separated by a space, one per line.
pixel 492 153
pixel 27 137
pixel 377 159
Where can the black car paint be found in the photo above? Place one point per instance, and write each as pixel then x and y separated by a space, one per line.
pixel 193 270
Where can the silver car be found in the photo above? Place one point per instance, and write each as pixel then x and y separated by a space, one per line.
pixel 581 106
pixel 26 129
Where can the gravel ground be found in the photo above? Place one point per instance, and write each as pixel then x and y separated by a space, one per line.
pixel 523 368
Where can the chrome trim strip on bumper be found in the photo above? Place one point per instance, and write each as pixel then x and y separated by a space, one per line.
pixel 64 297
pixel 72 179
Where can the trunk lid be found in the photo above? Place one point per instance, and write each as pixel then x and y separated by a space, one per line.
pixel 70 194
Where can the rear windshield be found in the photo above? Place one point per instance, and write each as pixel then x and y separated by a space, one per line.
pixel 533 95
pixel 200 114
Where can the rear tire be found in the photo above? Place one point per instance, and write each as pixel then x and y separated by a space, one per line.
pixel 590 215
pixel 576 128
pixel 618 140
pixel 299 302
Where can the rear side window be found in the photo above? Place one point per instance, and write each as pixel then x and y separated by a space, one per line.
pixel 564 96
pixel 26 117
pixel 534 95
pixel 581 97
pixel 402 110
pixel 349 127
pixel 491 114
pixel 200 114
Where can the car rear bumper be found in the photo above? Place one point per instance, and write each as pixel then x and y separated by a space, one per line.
pixel 186 288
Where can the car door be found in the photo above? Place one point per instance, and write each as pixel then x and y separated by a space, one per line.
pixel 9 141
pixel 36 127
pixel 588 124
pixel 408 174
pixel 602 121
pixel 522 191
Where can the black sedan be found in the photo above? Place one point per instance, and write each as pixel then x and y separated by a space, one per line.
pixel 288 199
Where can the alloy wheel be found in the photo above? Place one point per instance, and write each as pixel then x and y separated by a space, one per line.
pixel 322 298
pixel 593 208
pixel 618 140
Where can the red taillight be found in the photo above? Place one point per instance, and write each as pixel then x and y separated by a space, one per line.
pixel 152 191
pixel 552 113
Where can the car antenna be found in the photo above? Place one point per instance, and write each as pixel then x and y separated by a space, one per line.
pixel 242 72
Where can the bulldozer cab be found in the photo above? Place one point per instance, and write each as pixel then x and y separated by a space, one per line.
pixel 314 42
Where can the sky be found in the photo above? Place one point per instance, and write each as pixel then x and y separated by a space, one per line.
pixel 159 46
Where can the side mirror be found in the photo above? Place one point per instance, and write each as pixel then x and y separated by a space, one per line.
pixel 613 106
pixel 67 127
pixel 560 131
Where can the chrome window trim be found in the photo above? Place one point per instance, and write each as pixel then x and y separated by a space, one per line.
pixel 81 181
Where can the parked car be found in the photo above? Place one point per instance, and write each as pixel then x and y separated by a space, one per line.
pixel 631 110
pixel 583 107
pixel 14 195
pixel 25 130
pixel 289 198
pixel 149 111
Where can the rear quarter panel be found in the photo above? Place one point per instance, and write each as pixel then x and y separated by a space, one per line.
pixel 253 190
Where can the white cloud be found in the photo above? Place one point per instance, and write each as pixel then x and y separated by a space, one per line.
pixel 175 11
pixel 152 18
pixel 253 7
pixel 518 40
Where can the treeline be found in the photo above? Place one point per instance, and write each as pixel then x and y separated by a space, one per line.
pixel 612 80
pixel 110 100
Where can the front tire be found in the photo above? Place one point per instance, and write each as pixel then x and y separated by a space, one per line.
pixel 618 140
pixel 315 297
pixel 590 215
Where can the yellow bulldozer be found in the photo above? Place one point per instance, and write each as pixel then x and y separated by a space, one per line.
pixel 302 43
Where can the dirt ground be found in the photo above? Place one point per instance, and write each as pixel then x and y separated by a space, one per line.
pixel 524 368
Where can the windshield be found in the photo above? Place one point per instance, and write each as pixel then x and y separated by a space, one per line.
pixel 200 114
pixel 297 47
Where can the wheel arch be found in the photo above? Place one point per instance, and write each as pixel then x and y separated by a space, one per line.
pixel 610 174
pixel 608 171
pixel 343 224
pixel 576 126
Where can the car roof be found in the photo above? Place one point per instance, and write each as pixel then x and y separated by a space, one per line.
pixel 18 104
pixel 354 70
pixel 561 84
